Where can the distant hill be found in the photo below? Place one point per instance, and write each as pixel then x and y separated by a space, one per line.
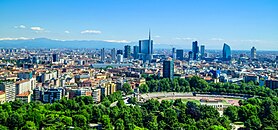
pixel 49 43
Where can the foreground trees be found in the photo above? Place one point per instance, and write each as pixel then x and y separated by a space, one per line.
pixel 256 113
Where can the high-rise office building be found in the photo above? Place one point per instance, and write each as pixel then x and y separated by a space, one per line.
pixel 127 51
pixel 113 54
pixel 55 57
pixel 135 52
pixel 190 53
pixel 102 54
pixel 253 53
pixel 195 50
pixel 227 52
pixel 146 48
pixel 120 58
pixel 202 51
pixel 179 54
pixel 168 69
pixel 120 52
pixel 174 53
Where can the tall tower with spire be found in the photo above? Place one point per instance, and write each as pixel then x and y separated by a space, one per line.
pixel 146 48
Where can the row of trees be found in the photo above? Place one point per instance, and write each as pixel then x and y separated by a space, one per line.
pixel 196 84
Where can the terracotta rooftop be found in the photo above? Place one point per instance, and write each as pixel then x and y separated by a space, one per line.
pixel 24 94
pixel 22 81
pixel 1 92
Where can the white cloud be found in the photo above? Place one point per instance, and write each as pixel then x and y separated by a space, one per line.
pixel 90 32
pixel 20 26
pixel 217 39
pixel 117 41
pixel 186 38
pixel 251 41
pixel 37 28
pixel 67 31
pixel 19 38
pixel 157 36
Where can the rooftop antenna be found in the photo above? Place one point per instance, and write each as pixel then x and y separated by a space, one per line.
pixel 149 34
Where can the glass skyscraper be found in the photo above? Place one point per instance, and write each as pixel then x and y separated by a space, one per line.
pixel 195 50
pixel 179 54
pixel 168 69
pixel 174 53
pixel 146 48
pixel 135 52
pixel 253 53
pixel 202 51
pixel 127 51
pixel 227 52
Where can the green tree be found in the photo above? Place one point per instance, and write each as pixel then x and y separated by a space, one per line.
pixel 3 117
pixel 67 120
pixel 79 121
pixel 29 126
pixel 119 124
pixel 143 88
pixel 253 122
pixel 15 120
pixel 151 122
pixel 127 88
pixel 216 127
pixel 3 127
pixel 232 113
pixel 106 122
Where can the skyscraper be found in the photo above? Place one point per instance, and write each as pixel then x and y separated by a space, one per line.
pixel 146 48
pixel 120 52
pixel 102 54
pixel 168 69
pixel 119 58
pixel 179 54
pixel 195 50
pixel 113 54
pixel 135 52
pixel 253 53
pixel 55 57
pixel 174 53
pixel 202 51
pixel 127 51
pixel 190 55
pixel 227 52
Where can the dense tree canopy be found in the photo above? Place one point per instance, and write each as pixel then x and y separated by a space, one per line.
pixel 196 84
pixel 256 113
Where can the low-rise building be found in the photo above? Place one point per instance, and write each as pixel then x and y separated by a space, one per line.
pixel 25 97
pixel 52 95
pixel 80 92
pixel 272 84
pixel 2 97
pixel 251 77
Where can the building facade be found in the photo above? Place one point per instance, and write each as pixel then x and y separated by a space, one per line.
pixel 227 56
pixel 168 69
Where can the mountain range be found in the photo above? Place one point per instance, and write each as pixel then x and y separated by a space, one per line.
pixel 49 43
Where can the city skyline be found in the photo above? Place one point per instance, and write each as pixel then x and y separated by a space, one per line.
pixel 241 24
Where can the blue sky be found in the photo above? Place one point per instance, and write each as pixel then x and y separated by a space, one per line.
pixel 240 23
